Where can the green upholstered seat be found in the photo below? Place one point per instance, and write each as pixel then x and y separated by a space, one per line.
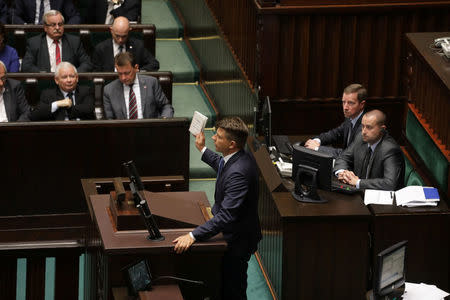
pixel 197 168
pixel 411 176
pixel 427 150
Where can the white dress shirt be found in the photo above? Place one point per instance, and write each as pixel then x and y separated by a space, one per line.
pixel 3 116
pixel 137 93
pixel 38 8
pixel 111 6
pixel 52 52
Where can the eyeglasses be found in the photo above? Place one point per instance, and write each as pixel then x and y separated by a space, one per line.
pixel 54 24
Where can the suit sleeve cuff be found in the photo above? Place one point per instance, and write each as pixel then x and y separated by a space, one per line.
pixel 203 150
pixel 357 183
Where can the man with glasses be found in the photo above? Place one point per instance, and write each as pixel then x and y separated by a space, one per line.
pixel 134 96
pixel 13 105
pixel 67 101
pixel 353 103
pixel 32 11
pixel 104 53
pixel 45 51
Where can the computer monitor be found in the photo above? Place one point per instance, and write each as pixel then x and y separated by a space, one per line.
pixel 266 121
pixel 311 170
pixel 390 269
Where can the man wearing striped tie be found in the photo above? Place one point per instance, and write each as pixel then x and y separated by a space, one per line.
pixel 134 96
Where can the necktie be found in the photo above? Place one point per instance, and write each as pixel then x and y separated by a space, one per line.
pixel 350 127
pixel 366 163
pixel 221 163
pixel 41 11
pixel 69 109
pixel 132 106
pixel 120 48
pixel 57 52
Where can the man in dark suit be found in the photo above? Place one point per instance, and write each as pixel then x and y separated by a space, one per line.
pixel 13 105
pixel 67 101
pixel 353 102
pixel 374 160
pixel 31 12
pixel 105 11
pixel 3 12
pixel 134 96
pixel 236 205
pixel 104 53
pixel 45 51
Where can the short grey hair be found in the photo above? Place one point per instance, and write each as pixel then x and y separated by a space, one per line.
pixel 50 13
pixel 4 67
pixel 62 65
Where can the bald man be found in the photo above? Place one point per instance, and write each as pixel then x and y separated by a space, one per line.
pixel 105 51
pixel 374 160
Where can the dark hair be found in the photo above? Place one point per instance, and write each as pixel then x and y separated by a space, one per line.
pixel 235 130
pixel 357 88
pixel 124 58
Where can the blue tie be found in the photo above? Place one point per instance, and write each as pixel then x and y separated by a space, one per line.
pixel 221 163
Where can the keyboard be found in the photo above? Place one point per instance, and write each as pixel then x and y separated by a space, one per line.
pixel 340 187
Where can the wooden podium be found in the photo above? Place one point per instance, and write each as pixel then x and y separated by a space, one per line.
pixel 177 213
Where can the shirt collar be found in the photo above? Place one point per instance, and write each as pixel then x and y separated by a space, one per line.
pixel 50 40
pixel 227 158
pixel 356 119
pixel 374 145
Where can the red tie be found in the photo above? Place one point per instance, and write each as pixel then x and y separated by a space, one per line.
pixel 57 52
pixel 132 107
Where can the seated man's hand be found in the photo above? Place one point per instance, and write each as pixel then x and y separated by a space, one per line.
pixel 182 243
pixel 200 141
pixel 64 103
pixel 348 177
pixel 312 144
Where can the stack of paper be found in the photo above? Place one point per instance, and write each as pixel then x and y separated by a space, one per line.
pixel 415 291
pixel 412 196
pixel 378 197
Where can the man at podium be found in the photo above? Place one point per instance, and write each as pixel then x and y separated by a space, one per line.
pixel 236 205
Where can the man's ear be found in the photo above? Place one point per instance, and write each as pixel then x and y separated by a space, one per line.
pixel 383 128
pixel 232 145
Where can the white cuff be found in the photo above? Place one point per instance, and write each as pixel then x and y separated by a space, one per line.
pixel 203 150
pixel 192 236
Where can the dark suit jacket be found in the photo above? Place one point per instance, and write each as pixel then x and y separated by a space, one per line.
pixel 3 12
pixel 16 106
pixel 386 169
pixel 26 10
pixel 236 203
pixel 36 58
pixel 130 9
pixel 154 103
pixel 339 135
pixel 83 109
pixel 103 57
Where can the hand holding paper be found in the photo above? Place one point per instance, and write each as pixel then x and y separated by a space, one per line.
pixel 198 123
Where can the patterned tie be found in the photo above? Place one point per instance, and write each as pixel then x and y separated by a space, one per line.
pixel 41 11
pixel 120 48
pixel 366 163
pixel 57 52
pixel 132 107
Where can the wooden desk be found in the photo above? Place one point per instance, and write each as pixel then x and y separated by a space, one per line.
pixel 427 232
pixel 307 247
pixel 120 248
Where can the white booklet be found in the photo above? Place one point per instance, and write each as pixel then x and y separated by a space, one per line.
pixel 198 123
pixel 378 197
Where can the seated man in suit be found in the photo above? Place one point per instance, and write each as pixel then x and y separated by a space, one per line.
pixel 13 105
pixel 3 12
pixel 134 96
pixel 104 53
pixel 235 208
pixel 105 11
pixel 67 101
pixel 353 102
pixel 374 160
pixel 32 11
pixel 45 51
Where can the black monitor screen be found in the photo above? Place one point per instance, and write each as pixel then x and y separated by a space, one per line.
pixel 391 269
pixel 314 159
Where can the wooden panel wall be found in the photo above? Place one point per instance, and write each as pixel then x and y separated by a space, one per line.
pixel 314 52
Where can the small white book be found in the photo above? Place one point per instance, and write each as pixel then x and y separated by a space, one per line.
pixel 378 197
pixel 198 123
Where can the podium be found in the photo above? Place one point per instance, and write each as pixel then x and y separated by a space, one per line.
pixel 177 213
